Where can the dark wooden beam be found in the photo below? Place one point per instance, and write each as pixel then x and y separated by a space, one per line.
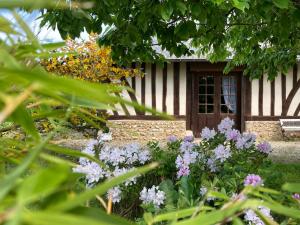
pixel 283 91
pixel 290 98
pixel 272 98
pixel 132 96
pixel 133 85
pixel 143 85
pixel 188 97
pixel 176 88
pixel 269 118
pixel 144 117
pixel 295 69
pixel 261 96
pixel 210 67
pixel 297 111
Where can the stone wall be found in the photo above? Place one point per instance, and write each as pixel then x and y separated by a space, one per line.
pixel 265 130
pixel 146 130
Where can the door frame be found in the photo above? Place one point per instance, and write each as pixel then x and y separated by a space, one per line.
pixel 205 66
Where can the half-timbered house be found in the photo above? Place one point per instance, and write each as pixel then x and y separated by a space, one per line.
pixel 197 94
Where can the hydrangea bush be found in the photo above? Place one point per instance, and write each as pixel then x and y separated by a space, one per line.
pixel 224 161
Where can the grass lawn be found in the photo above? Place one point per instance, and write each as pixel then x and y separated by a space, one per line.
pixel 278 174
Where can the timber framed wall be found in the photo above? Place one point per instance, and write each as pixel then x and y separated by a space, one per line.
pixel 162 88
pixel 169 89
pixel 271 100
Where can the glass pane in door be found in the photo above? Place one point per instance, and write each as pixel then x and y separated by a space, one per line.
pixel 206 94
pixel 228 95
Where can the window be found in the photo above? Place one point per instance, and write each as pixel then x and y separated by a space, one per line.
pixel 228 95
pixel 206 94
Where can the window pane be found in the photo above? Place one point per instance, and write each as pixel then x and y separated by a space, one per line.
pixel 210 90
pixel 210 80
pixel 210 108
pixel 202 90
pixel 202 99
pixel 202 81
pixel 224 109
pixel 210 99
pixel 201 108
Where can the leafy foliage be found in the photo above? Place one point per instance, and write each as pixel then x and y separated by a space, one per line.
pixel 262 35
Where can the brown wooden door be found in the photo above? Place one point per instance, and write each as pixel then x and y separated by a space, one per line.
pixel 215 96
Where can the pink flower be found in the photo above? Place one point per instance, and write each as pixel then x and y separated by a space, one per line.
pixel 253 180
pixel 264 147
pixel 296 196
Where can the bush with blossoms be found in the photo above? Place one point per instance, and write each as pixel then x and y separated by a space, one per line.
pixel 223 162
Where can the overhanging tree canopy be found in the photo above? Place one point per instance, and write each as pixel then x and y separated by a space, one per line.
pixel 263 35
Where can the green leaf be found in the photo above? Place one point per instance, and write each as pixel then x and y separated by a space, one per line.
pixel 171 194
pixel 292 187
pixel 214 217
pixel 181 6
pixel 166 11
pixel 179 214
pixel 218 195
pixel 283 4
pixel 51 218
pixel 22 117
pixel 42 183
pixel 8 181
pixel 185 30
pixel 71 152
pixel 98 214
pixel 241 4
pixel 6 26
pixel 237 221
pixel 32 4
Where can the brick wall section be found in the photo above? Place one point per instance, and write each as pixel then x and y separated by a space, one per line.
pixel 265 130
pixel 146 130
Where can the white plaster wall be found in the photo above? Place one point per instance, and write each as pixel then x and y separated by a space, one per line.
pixel 170 89
pixel 182 89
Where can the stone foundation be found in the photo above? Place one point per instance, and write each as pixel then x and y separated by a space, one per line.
pixel 146 130
pixel 265 130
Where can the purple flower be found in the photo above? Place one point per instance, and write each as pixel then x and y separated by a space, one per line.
pixel 225 125
pixel 233 135
pixel 222 153
pixel 253 180
pixel 264 147
pixel 211 163
pixel 296 196
pixel 172 138
pixel 245 141
pixel 186 146
pixel 189 138
pixel 207 134
pixel 183 171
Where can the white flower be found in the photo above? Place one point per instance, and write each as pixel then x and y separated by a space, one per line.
pixel 93 172
pixel 119 171
pixel 253 219
pixel 203 191
pixel 114 194
pixel 89 149
pixel 152 195
pixel 105 137
pixel 207 134
pixel 222 153
pixel 144 156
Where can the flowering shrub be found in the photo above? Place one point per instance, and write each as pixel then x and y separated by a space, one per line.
pixel 224 161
